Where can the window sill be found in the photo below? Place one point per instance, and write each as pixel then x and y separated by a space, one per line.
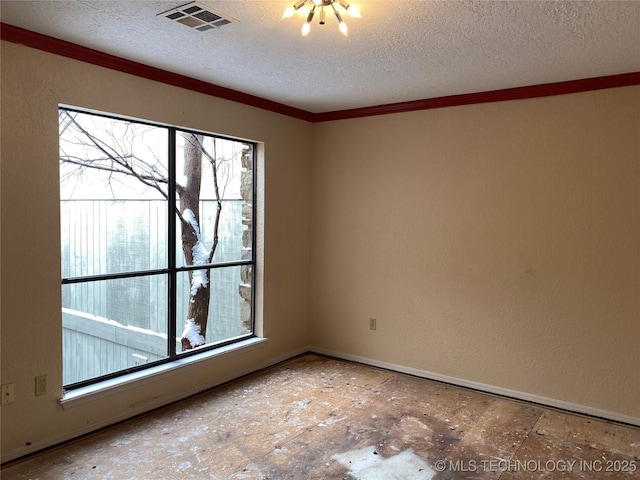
pixel 104 389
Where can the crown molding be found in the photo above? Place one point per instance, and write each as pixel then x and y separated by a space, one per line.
pixel 78 52
pixel 95 57
pixel 519 93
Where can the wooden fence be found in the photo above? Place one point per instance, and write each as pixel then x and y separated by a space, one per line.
pixel 111 325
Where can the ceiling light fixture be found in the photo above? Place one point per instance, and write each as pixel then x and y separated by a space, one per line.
pixel 321 5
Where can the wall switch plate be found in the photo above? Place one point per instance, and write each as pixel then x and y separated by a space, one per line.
pixel 7 394
pixel 41 385
pixel 373 323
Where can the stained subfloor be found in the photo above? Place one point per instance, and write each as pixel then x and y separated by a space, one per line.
pixel 315 417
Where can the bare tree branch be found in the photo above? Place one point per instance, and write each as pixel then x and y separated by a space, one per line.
pixel 112 160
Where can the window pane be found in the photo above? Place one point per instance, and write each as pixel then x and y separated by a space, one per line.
pixel 228 313
pixel 214 192
pixel 113 188
pixel 106 236
pixel 112 325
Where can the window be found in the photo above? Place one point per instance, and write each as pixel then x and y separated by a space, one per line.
pixel 157 241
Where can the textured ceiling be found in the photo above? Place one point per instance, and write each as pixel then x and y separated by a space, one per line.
pixel 399 51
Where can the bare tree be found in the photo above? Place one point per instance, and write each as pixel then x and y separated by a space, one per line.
pixel 195 253
pixel 114 156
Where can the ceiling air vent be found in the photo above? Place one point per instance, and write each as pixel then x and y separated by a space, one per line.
pixel 199 16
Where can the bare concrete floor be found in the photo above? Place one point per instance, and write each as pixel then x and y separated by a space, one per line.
pixel 321 418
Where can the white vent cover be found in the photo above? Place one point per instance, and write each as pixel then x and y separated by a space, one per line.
pixel 199 16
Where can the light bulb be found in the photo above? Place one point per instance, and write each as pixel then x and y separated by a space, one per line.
pixel 354 12
pixel 307 25
pixel 291 10
pixel 288 12
pixel 343 28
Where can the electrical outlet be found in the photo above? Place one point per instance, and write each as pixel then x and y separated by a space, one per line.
pixel 373 323
pixel 7 393
pixel 41 385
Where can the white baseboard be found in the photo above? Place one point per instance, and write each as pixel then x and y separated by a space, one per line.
pixel 505 392
pixel 144 407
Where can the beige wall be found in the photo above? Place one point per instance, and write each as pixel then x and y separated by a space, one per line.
pixel 495 243
pixel 33 83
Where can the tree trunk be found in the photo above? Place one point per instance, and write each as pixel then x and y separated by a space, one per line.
pixel 193 248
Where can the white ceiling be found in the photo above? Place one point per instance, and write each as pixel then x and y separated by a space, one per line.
pixel 399 51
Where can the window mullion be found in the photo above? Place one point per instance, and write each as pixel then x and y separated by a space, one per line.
pixel 172 283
